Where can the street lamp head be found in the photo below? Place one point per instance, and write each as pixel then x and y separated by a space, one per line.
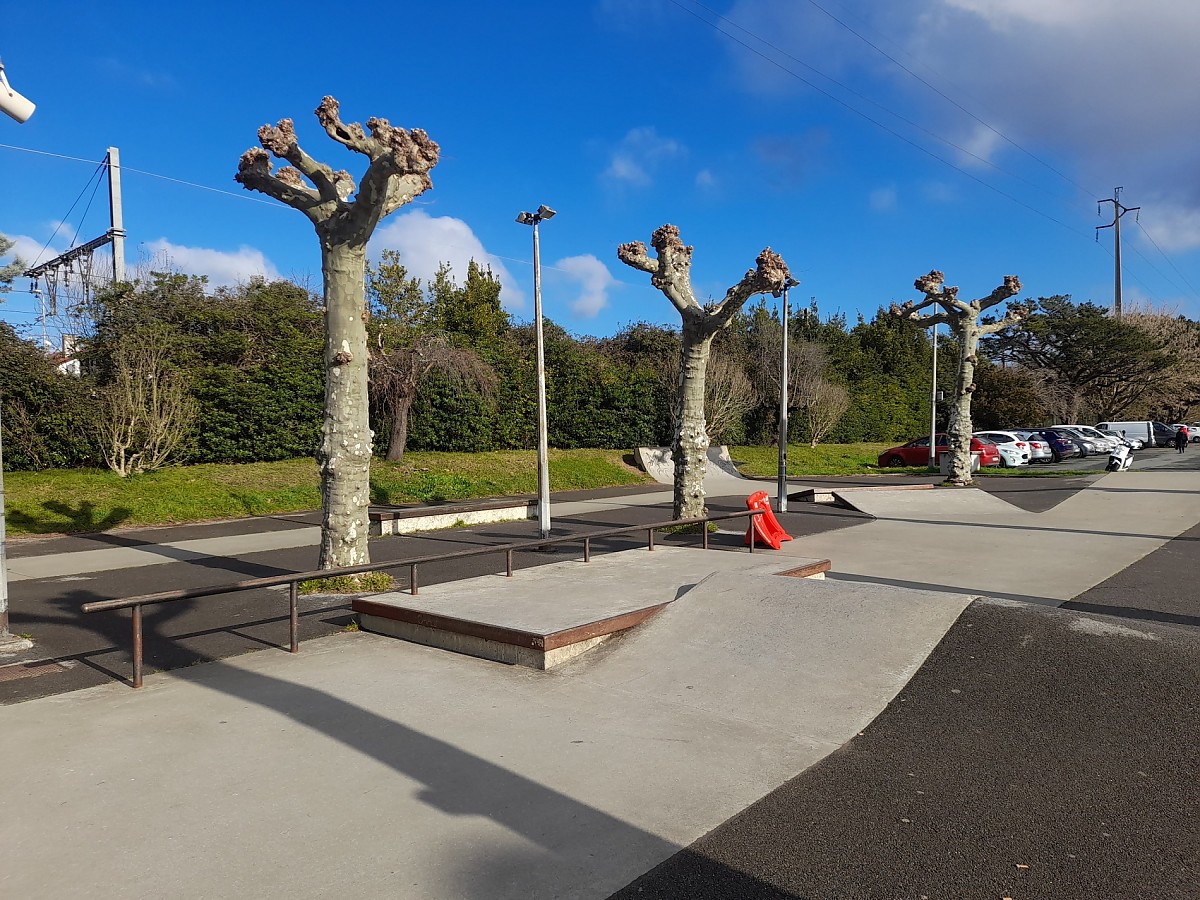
pixel 526 219
pixel 791 282
pixel 545 212
pixel 14 105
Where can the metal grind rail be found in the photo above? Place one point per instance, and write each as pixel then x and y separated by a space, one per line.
pixel 292 581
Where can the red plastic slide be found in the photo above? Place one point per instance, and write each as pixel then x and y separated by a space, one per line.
pixel 767 529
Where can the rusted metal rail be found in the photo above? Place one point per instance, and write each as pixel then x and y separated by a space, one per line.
pixel 292 581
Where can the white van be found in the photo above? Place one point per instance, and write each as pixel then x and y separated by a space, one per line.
pixel 1153 434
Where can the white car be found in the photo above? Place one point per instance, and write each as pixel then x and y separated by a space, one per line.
pixel 1014 449
pixel 1136 442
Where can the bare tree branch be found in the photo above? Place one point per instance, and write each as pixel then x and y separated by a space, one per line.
pixel 254 173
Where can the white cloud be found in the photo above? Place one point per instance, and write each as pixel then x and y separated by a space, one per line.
pixel 223 267
pixel 1004 15
pixel 1107 86
pixel 1173 227
pixel 639 154
pixel 883 199
pixel 30 249
pixel 594 281
pixel 706 180
pixel 424 242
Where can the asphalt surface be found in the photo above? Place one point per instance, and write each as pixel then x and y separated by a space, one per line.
pixel 1038 753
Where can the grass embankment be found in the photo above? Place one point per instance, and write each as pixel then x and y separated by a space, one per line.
pixel 83 500
pixel 824 459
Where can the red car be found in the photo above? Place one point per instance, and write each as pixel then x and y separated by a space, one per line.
pixel 916 453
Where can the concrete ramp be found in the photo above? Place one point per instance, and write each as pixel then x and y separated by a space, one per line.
pixel 721 477
pixel 739 642
pixel 941 504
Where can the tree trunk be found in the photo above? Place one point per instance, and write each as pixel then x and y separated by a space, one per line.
pixel 344 455
pixel 958 430
pixel 399 438
pixel 690 446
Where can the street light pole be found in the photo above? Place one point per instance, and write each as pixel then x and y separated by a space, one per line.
pixel 543 446
pixel 781 485
pixel 933 392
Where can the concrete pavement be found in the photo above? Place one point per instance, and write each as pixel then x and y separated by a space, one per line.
pixel 371 767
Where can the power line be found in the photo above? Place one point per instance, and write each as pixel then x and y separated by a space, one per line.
pixel 890 131
pixel 879 124
pixel 124 168
pixel 61 221
pixel 948 98
pixel 891 112
pixel 1170 262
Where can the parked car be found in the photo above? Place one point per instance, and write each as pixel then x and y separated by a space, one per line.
pixel 1039 450
pixel 1104 444
pixel 1143 431
pixel 1164 435
pixel 1194 428
pixel 916 453
pixel 1136 442
pixel 1014 449
pixel 1061 445
pixel 1085 444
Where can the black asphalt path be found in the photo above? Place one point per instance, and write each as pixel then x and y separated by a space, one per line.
pixel 1038 753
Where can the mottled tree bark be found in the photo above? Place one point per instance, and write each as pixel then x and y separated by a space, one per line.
pixel 398 171
pixel 670 272
pixel 963 318
pixel 344 455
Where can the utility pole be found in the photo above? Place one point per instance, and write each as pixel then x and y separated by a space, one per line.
pixel 116 219
pixel 1115 225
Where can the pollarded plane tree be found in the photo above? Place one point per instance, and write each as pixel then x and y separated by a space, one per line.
pixel 670 272
pixel 398 171
pixel 963 317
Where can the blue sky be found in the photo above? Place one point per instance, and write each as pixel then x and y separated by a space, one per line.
pixel 866 142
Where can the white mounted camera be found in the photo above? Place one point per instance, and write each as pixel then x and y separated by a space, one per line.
pixel 13 104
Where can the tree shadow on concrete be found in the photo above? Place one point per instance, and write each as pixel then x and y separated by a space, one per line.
pixel 577 845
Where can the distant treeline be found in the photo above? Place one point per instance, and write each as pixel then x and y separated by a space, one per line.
pixel 248 362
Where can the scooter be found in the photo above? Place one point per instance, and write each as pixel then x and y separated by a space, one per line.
pixel 1120 459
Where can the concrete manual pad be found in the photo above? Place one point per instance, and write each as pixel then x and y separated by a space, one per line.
pixel 365 767
pixel 541 617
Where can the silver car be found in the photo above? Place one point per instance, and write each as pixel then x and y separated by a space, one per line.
pixel 1039 450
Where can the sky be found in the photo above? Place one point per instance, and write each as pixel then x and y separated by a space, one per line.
pixel 865 142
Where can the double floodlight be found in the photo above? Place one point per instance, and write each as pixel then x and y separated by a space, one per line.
pixel 543 212
pixel 17 106
pixel 789 283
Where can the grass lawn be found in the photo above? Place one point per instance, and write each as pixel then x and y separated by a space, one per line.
pixel 823 459
pixel 82 500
